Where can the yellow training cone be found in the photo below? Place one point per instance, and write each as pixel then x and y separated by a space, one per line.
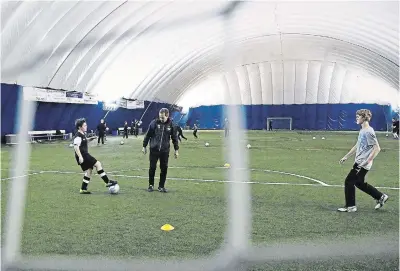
pixel 167 227
pixel 227 165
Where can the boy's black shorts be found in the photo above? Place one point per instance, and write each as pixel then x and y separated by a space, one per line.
pixel 88 161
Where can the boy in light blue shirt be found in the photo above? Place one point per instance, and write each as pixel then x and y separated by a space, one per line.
pixel 366 149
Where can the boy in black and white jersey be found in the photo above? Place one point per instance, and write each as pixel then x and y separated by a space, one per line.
pixel 85 160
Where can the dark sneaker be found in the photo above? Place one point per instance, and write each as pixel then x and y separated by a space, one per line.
pixel 162 189
pixel 84 192
pixel 150 189
pixel 111 183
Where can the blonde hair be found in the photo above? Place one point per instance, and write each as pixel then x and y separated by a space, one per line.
pixel 365 114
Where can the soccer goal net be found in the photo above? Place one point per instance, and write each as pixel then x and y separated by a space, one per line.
pixel 279 123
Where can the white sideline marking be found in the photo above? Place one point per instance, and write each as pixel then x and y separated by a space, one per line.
pixel 180 167
pixel 21 176
pixel 274 171
pixel 204 180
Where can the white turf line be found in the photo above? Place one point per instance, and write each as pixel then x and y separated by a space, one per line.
pixel 112 173
pixel 180 167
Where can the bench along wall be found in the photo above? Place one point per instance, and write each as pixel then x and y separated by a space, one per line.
pixel 60 116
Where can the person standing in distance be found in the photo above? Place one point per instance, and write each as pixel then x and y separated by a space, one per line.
pixel 101 128
pixel 125 135
pixel 395 126
pixel 137 123
pixel 366 149
pixel 195 130
pixel 160 132
pixel 226 127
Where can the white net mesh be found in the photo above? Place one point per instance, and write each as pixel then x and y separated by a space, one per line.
pixel 237 252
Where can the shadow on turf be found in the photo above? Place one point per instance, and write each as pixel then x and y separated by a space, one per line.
pixel 102 193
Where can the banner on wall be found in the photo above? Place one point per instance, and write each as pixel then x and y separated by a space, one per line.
pixel 135 104
pixel 40 95
pixel 74 97
pixel 122 103
pixel 58 96
pixel 89 98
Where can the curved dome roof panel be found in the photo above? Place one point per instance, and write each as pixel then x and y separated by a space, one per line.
pixel 159 50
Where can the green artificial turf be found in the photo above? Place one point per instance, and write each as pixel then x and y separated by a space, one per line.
pixel 58 220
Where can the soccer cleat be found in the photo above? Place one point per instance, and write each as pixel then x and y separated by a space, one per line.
pixel 150 189
pixel 381 201
pixel 348 209
pixel 85 192
pixel 162 189
pixel 111 183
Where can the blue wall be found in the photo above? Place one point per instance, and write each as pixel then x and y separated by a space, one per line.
pixel 304 116
pixel 9 102
pixel 53 116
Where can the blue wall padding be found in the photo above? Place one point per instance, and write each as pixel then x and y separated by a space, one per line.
pixel 52 116
pixel 58 116
pixel 304 116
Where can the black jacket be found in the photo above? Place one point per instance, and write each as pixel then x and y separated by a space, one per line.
pixel 101 128
pixel 159 134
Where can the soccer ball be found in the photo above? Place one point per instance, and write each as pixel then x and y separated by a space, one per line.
pixel 122 142
pixel 313 137
pixel 248 146
pixel 114 189
pixel 207 144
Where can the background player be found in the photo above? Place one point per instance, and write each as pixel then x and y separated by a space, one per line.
pixel 101 128
pixel 105 133
pixel 160 132
pixel 136 128
pixel 132 127
pixel 395 126
pixel 85 160
pixel 226 127
pixel 180 133
pixel 125 135
pixel 195 130
pixel 366 149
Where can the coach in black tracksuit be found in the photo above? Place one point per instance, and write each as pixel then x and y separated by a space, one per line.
pixel 160 132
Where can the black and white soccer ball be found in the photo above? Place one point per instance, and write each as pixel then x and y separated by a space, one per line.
pixel 114 189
